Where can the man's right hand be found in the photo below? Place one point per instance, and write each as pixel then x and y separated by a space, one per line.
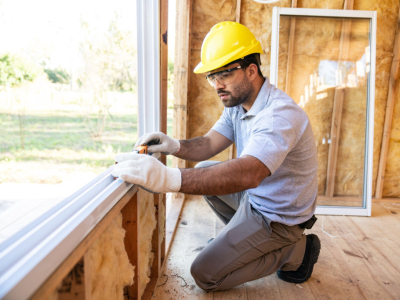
pixel 160 142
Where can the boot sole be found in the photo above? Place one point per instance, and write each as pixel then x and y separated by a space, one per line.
pixel 314 254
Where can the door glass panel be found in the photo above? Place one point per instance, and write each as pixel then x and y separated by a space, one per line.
pixel 324 67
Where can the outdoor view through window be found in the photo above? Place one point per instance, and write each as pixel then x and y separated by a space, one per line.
pixel 68 99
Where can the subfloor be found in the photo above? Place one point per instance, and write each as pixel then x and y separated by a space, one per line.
pixel 359 259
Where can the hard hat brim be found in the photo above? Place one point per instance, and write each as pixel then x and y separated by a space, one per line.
pixel 239 53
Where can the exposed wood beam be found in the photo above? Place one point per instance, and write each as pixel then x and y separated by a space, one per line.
pixel 393 80
pixel 231 149
pixel 172 222
pixel 181 73
pixel 163 68
pixel 334 137
pixel 290 50
pixel 338 106
pixel 238 7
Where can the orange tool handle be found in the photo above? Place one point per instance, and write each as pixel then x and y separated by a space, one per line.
pixel 141 149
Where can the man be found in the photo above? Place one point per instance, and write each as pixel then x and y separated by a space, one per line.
pixel 267 196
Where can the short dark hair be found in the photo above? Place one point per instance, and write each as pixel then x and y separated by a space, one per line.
pixel 248 60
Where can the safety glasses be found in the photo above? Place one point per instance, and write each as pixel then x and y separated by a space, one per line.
pixel 223 77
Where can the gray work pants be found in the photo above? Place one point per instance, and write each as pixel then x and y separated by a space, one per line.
pixel 249 247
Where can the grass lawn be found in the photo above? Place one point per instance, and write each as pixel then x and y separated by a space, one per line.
pixel 58 142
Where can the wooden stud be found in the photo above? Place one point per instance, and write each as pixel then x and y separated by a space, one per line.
pixel 290 50
pixel 182 73
pixel 334 137
pixel 163 242
pixel 51 284
pixel 164 68
pixel 387 127
pixel 238 7
pixel 338 106
pixel 130 222
pixel 172 222
pixel 156 248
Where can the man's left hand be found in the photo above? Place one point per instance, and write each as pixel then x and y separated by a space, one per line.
pixel 148 172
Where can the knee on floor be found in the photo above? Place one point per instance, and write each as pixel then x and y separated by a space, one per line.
pixel 200 277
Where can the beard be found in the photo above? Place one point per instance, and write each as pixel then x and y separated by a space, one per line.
pixel 239 94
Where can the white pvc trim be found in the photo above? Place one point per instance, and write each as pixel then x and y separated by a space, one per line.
pixel 342 211
pixel 273 77
pixel 148 65
pixel 329 13
pixel 29 257
pixel 365 210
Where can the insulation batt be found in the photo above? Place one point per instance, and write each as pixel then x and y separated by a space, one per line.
pixel 391 185
pixel 147 224
pixel 109 264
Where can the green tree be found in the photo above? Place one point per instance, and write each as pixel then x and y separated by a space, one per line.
pixel 58 75
pixel 109 66
pixel 15 73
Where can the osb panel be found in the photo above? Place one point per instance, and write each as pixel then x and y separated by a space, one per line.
pixel 349 178
pixel 204 106
pixel 258 18
pixel 391 185
pixel 387 11
pixel 208 13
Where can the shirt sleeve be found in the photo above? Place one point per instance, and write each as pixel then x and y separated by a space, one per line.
pixel 272 138
pixel 224 126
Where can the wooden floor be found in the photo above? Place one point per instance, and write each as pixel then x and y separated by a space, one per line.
pixel 360 259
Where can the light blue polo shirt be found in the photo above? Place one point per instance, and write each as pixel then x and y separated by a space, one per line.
pixel 277 132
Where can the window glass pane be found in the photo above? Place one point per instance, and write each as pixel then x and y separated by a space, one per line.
pixel 68 100
pixel 324 66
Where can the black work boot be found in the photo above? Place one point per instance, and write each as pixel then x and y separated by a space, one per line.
pixel 303 273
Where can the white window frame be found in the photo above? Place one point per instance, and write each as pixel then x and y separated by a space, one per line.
pixel 365 209
pixel 31 255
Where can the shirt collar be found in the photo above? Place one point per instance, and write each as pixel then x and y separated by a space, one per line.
pixel 259 104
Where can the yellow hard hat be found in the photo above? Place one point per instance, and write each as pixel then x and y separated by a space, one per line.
pixel 226 42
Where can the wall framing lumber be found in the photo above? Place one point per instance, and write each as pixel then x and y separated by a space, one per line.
pixel 238 7
pixel 290 50
pixel 338 106
pixel 182 74
pixel 163 69
pixel 172 222
pixel 393 79
pixel 130 221
pixel 334 145
pixel 52 282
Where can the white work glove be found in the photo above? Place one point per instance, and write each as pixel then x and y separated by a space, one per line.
pixel 148 172
pixel 165 144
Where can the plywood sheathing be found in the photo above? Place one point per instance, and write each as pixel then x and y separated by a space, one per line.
pixel 108 264
pixel 204 106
